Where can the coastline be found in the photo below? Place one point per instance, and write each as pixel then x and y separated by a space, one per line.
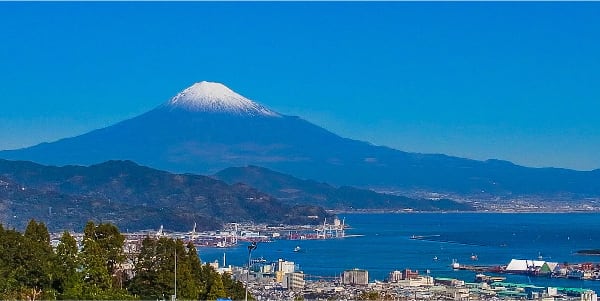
pixel 401 211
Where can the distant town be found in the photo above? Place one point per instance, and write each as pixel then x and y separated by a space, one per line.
pixel 513 204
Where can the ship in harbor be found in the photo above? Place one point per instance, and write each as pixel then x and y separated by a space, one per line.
pixel 540 268
pixel 325 231
pixel 234 233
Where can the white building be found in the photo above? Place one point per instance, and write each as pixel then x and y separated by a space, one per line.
pixel 395 276
pixel 417 281
pixel 284 267
pixel 589 296
pixel 293 281
pixel 523 265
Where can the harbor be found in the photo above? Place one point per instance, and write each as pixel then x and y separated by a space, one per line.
pixel 285 280
pixel 464 259
pixel 541 268
pixel 381 243
pixel 234 234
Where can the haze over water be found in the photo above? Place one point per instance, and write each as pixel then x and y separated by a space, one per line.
pixel 385 244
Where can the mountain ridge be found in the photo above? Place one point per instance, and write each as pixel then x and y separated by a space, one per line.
pixel 204 142
pixel 136 197
pixel 292 190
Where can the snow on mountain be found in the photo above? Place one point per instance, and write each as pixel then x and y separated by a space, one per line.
pixel 216 97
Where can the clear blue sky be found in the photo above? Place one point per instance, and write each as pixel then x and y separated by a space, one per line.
pixel 510 80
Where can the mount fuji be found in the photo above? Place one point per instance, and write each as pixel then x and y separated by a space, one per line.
pixel 216 98
pixel 208 127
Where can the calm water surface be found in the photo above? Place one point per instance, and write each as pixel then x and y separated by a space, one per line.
pixel 383 244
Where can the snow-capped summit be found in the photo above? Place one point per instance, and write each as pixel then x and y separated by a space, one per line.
pixel 216 97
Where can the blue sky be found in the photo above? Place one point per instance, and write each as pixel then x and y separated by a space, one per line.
pixel 518 81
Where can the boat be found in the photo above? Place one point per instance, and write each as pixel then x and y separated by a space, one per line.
pixel 297 249
pixel 474 257
pixel 435 258
pixel 455 265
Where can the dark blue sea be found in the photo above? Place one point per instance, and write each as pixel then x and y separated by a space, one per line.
pixel 383 243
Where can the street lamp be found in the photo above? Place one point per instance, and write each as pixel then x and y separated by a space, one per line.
pixel 175 296
pixel 251 247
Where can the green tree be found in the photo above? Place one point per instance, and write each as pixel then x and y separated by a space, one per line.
pixel 187 286
pixel 29 268
pixel 69 282
pixel 195 266
pixel 94 264
pixel 145 271
pixel 37 232
pixel 26 263
pixel 111 241
pixel 101 255
pixel 154 269
pixel 11 242
pixel 213 284
pixel 216 289
pixel 36 270
pixel 234 289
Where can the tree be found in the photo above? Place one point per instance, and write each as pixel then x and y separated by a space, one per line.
pixel 195 267
pixel 67 253
pixel 101 255
pixel 154 269
pixel 111 241
pixel 234 289
pixel 36 270
pixel 37 232
pixel 29 268
pixel 26 263
pixel 69 282
pixel 11 242
pixel 214 287
pixel 194 260
pixel 94 264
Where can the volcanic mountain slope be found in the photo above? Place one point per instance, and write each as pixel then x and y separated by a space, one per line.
pixel 134 197
pixel 292 190
pixel 208 127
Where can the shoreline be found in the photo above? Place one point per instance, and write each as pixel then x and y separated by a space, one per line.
pixel 388 211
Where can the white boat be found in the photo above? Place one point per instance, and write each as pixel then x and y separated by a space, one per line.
pixel 297 249
pixel 455 265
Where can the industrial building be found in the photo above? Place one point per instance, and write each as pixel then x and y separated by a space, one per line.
pixel 355 277
pixel 293 281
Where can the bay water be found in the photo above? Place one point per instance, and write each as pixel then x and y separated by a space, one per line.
pixel 381 243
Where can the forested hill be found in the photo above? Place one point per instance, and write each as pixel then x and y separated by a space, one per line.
pixel 293 190
pixel 133 197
